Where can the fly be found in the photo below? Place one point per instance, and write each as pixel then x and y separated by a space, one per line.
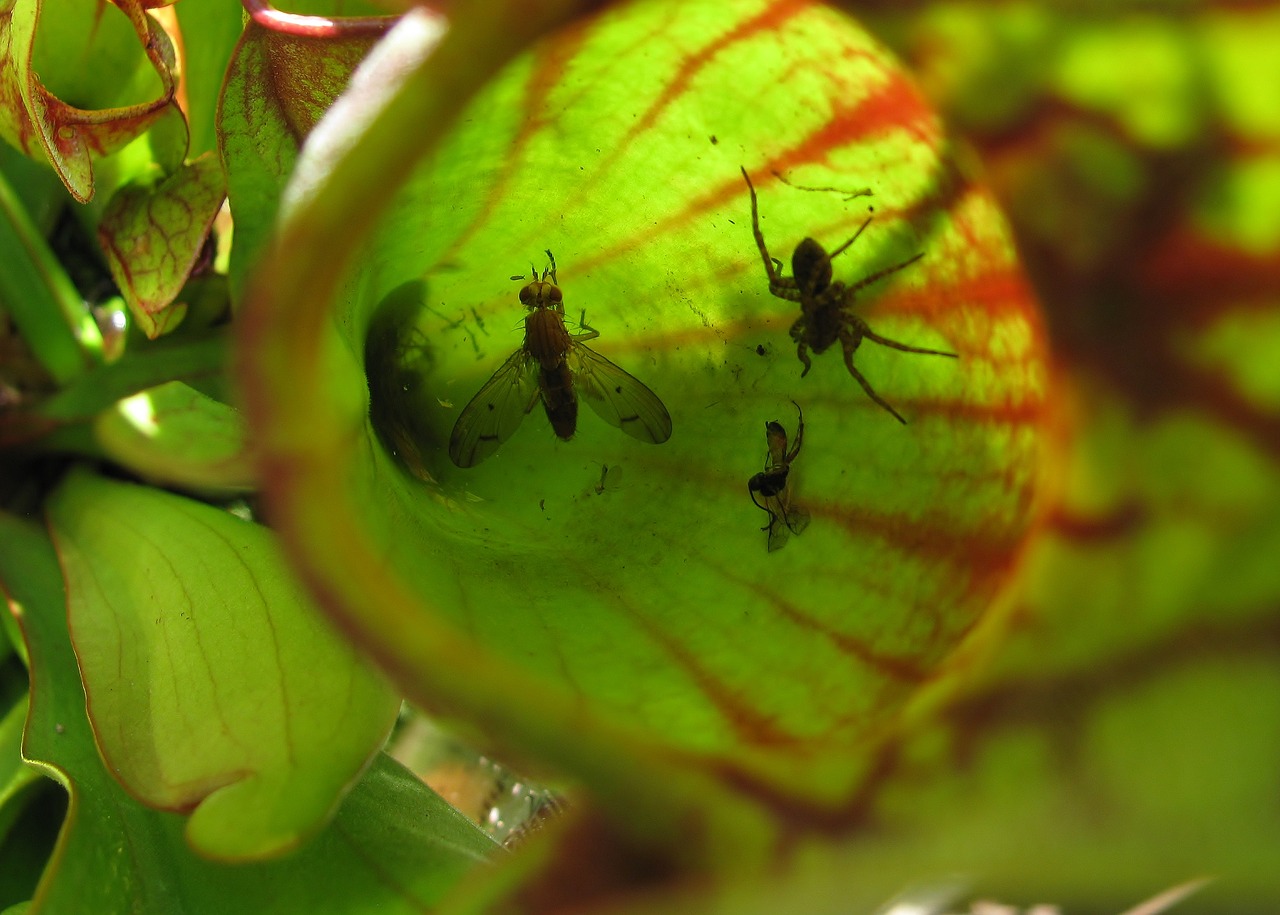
pixel 785 517
pixel 554 366
pixel 826 305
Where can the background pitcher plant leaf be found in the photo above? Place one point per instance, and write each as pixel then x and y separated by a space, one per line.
pixel 181 615
pixel 153 235
pixel 94 116
pixel 633 615
pixel 393 845
pixel 176 434
pixel 278 84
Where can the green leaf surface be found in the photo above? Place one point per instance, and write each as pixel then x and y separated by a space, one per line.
pixel 29 811
pixel 153 234
pixel 394 847
pixel 198 360
pixel 278 85
pixel 213 686
pixel 39 297
pixel 81 51
pixel 16 778
pixel 696 671
pixel 210 30
pixel 176 435
pixel 12 636
pixel 36 186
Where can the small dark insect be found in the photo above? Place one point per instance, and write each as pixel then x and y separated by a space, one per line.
pixel 553 365
pixel 772 484
pixel 760 350
pixel 826 305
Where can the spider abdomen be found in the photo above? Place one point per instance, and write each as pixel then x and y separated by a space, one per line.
pixel 822 328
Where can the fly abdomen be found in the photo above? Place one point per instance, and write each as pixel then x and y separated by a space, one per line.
pixel 559 399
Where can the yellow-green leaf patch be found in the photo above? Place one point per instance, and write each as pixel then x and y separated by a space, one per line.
pixel 212 684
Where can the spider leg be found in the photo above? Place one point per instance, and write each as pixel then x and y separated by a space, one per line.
pixel 881 274
pixel 775 274
pixel 850 345
pixel 802 353
pixel 866 222
pixel 795 452
pixel 784 287
pixel 894 344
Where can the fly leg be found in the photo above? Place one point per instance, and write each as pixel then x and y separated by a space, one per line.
pixel 590 332
pixel 754 485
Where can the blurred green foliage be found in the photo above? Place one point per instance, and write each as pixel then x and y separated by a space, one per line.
pixel 1030 640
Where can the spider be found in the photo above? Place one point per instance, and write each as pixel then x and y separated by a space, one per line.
pixel 825 304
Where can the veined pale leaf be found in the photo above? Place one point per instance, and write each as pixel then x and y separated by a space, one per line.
pixel 393 846
pixel 698 675
pixel 213 686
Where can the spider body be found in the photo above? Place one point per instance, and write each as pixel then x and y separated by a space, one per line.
pixel 826 305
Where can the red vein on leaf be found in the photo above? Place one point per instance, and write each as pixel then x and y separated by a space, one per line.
pixel 893 105
pixel 987 547
pixel 772 18
pixel 544 77
pixel 547 76
pixel 752 726
pixel 1198 278
pixel 837 132
pixel 890 666
pixel 1089 527
pixel 1055 705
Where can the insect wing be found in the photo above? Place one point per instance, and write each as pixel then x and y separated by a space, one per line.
pixel 778 530
pixel 797 519
pixel 785 519
pixel 776 438
pixel 620 399
pixel 496 411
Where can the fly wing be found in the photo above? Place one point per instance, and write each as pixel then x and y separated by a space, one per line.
pixel 797 518
pixel 778 529
pixel 784 516
pixel 620 399
pixel 496 411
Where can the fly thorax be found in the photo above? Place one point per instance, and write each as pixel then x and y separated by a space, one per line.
pixel 546 338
